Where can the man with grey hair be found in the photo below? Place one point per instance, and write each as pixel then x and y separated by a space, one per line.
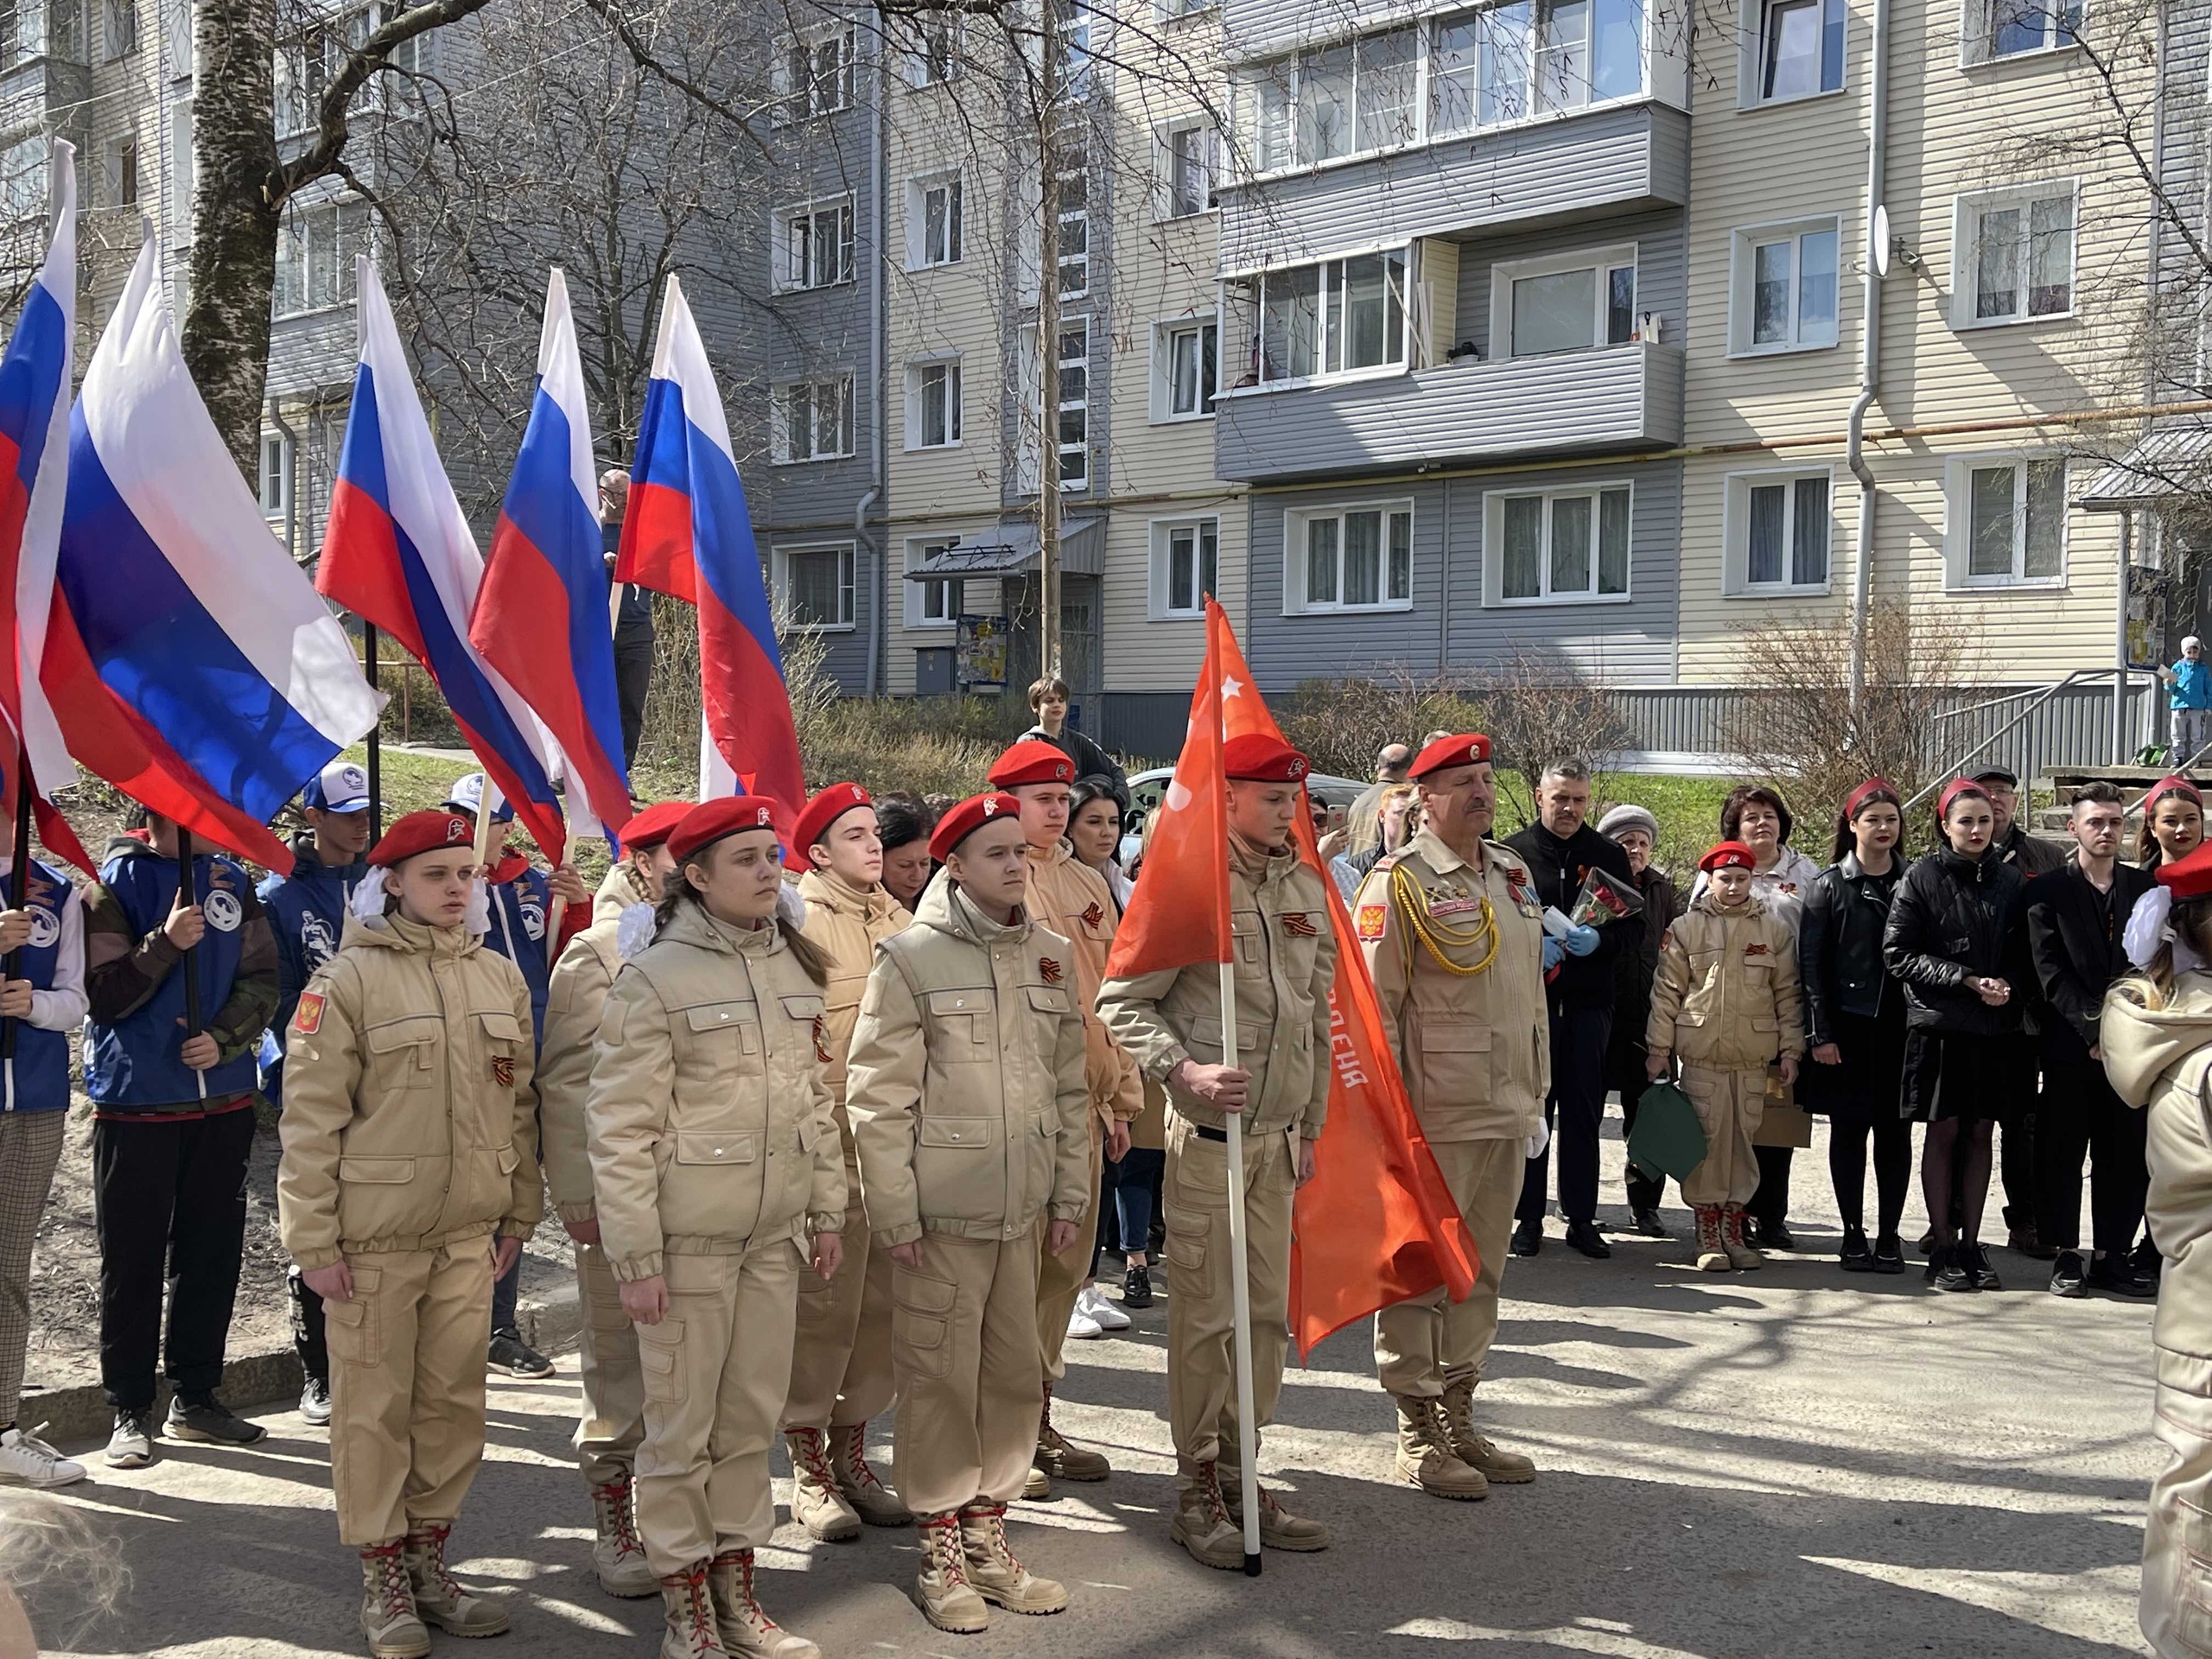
pixel 633 617
pixel 1364 821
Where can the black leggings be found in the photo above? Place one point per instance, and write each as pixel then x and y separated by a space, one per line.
pixel 1963 1145
pixel 1893 1171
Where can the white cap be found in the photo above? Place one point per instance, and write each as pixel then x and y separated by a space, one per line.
pixel 2188 640
pixel 341 786
pixel 467 795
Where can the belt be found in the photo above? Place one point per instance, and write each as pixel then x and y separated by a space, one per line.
pixel 1206 1134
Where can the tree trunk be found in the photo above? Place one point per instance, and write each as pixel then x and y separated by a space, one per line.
pixel 235 208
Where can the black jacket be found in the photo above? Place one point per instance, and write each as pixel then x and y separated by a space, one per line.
pixel 1558 869
pixel 2030 854
pixel 2074 940
pixel 1091 760
pixel 1951 919
pixel 1839 948
pixel 1632 974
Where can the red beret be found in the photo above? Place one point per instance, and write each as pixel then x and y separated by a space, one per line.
pixel 652 826
pixel 1730 855
pixel 2189 877
pixel 1467 749
pixel 2173 785
pixel 964 820
pixel 1032 761
pixel 422 832
pixel 1254 757
pixel 825 808
pixel 1953 791
pixel 727 816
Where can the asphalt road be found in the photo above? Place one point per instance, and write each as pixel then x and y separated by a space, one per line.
pixel 1793 1462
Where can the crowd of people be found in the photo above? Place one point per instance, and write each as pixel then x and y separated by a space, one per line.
pixel 846 1117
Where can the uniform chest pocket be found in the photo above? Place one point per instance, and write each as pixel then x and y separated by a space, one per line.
pixel 403 1053
pixel 717 1147
pixel 1247 927
pixel 959 1134
pixel 502 1034
pixel 964 1025
pixel 806 1013
pixel 730 1031
pixel 1048 998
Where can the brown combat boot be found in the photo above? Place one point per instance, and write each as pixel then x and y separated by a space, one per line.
pixel 816 1504
pixel 389 1619
pixel 1425 1455
pixel 1060 1457
pixel 618 1555
pixel 1712 1246
pixel 1741 1255
pixel 993 1570
pixel 688 1632
pixel 746 1632
pixel 1475 1449
pixel 870 1499
pixel 942 1589
pixel 1278 1528
pixel 441 1598
pixel 1201 1524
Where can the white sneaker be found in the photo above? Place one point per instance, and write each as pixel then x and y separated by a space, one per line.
pixel 26 1461
pixel 1080 1323
pixel 1109 1317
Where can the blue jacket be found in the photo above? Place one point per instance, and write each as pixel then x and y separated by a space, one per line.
pixel 522 904
pixel 306 912
pixel 2192 686
pixel 42 1068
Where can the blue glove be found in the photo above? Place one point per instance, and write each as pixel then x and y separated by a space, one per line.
pixel 1553 951
pixel 1581 941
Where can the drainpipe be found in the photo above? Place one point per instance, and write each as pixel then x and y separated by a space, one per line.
pixel 876 323
pixel 1869 362
pixel 291 479
pixel 882 579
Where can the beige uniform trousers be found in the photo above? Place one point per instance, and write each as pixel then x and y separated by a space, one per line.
pixel 963 1345
pixel 841 1359
pixel 715 1370
pixel 1059 1278
pixel 1201 1352
pixel 407 1387
pixel 2176 1612
pixel 1728 1107
pixel 614 1390
pixel 1431 1343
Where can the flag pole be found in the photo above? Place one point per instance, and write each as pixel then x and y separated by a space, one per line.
pixel 13 967
pixel 376 731
pixel 1240 1289
pixel 187 888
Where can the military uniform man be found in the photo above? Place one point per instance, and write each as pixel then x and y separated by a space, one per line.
pixel 1454 940
pixel 1171 1022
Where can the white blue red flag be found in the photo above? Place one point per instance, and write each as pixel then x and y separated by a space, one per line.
pixel 687 532
pixel 189 661
pixel 541 618
pixel 399 553
pixel 34 479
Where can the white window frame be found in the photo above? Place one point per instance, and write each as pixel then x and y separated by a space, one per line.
pixel 839 387
pixel 2062 32
pixel 955 419
pixel 1075 267
pixel 300 237
pixel 122 166
pixel 1256 286
pixel 120 29
pixel 26 166
pixel 1494 595
pixel 1966 211
pixel 919 593
pixel 1958 521
pixel 1296 525
pixel 916 52
pixel 1603 261
pixel 919 188
pixel 1743 296
pixel 1176 11
pixel 1171 203
pixel 1164 335
pixel 786 281
pixel 1736 534
pixel 793 105
pixel 1066 405
pixel 274 488
pixel 1754 20
pixel 847 596
pixel 1159 600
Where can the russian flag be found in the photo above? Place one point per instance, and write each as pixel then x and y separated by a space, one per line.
pixel 687 532
pixel 399 553
pixel 189 661
pixel 34 479
pixel 541 617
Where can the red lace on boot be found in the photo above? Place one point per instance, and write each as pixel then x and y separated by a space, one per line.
pixel 810 1452
pixel 431 1540
pixel 1209 1488
pixel 393 1587
pixel 620 1523
pixel 748 1607
pixel 992 1515
pixel 700 1636
pixel 948 1555
pixel 856 1462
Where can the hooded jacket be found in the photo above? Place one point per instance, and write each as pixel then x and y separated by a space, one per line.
pixel 847 925
pixel 575 997
pixel 2159 1058
pixel 1073 900
pixel 1726 995
pixel 306 912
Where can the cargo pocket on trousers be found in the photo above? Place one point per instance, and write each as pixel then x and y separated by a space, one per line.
pixel 660 1357
pixel 921 1323
pixel 352 1330
pixel 1186 1241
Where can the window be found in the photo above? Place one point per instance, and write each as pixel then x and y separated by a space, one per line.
pixel 1174 10
pixel 1777 532
pixel 1193 169
pixel 1569 304
pixel 816 586
pixel 816 247
pixel 1800 46
pixel 315 256
pixel 23 173
pixel 1185 566
pixel 929 603
pixel 932 405
pixel 933 42
pixel 1186 369
pixel 1350 558
pixel 275 474
pixel 1074 411
pixel 121 171
pixel 31 29
pixel 933 214
pixel 2009 27
pixel 1571 545
pixel 1332 318
pixel 308 63
pixel 2007 521
pixel 118 28
pixel 814 75
pixel 2015 255
pixel 183 175
pixel 1783 293
pixel 1071 157
pixel 813 420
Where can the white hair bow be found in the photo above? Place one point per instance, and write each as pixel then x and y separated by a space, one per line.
pixel 634 931
pixel 366 903
pixel 2149 925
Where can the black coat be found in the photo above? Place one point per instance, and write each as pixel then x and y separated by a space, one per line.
pixel 2031 855
pixel 1839 948
pixel 1952 919
pixel 2074 940
pixel 1558 867
pixel 1632 974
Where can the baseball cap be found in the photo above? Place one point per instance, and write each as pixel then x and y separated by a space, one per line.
pixel 341 786
pixel 467 795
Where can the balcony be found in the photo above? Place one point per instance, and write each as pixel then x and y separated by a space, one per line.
pixel 1617 400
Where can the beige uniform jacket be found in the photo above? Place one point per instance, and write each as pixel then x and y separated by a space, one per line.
pixel 1073 900
pixel 1286 962
pixel 574 998
pixel 847 925
pixel 1475 1048
pixel 410 1116
pixel 966 1092
pixel 2162 1058
pixel 1726 995
pixel 708 1124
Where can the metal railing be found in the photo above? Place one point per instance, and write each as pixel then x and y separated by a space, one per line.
pixel 2033 701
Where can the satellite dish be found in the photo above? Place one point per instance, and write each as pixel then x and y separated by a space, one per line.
pixel 1880 249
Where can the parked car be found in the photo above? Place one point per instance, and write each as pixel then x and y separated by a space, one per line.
pixel 1145 789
